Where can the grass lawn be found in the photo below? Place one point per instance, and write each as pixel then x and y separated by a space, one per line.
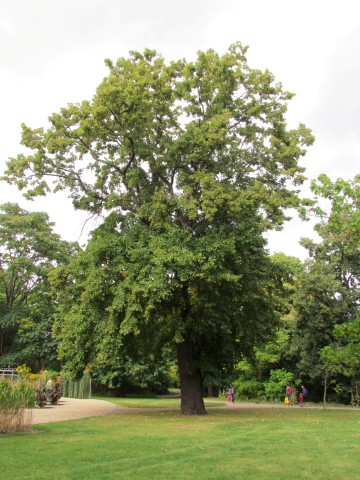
pixel 226 444
pixel 155 402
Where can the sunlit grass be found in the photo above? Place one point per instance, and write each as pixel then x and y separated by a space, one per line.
pixel 226 444
pixel 155 402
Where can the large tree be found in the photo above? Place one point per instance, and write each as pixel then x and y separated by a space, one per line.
pixel 196 160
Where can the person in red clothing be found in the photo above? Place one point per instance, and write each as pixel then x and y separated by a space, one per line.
pixel 228 393
pixel 289 392
pixel 303 395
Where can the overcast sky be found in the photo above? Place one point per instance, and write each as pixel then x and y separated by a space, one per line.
pixel 52 53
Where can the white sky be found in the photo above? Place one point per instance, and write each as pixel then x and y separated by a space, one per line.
pixel 52 53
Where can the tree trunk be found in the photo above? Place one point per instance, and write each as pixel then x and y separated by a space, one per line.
pixel 192 402
pixel 326 386
pixel 325 389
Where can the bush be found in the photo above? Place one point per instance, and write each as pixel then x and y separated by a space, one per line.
pixel 275 387
pixel 46 395
pixel 249 388
pixel 53 395
pixel 16 400
pixel 174 377
pixel 40 396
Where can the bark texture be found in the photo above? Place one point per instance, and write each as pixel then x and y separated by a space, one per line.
pixel 192 402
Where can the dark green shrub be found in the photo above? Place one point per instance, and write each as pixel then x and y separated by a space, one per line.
pixel 40 396
pixel 53 395
pixel 249 388
pixel 275 387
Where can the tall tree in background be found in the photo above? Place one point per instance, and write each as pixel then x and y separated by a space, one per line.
pixel 340 231
pixel 253 372
pixel 29 249
pixel 329 292
pixel 196 161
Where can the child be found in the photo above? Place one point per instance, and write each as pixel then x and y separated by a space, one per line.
pixel 301 400
pixel 228 393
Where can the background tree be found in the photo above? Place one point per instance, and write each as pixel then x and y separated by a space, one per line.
pixel 343 356
pixel 318 304
pixel 319 308
pixel 340 230
pixel 328 294
pixel 34 344
pixel 253 373
pixel 197 160
pixel 29 250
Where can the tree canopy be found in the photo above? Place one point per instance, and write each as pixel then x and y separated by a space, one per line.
pixel 327 292
pixel 194 161
pixel 29 249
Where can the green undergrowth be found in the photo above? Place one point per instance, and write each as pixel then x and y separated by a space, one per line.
pixel 226 444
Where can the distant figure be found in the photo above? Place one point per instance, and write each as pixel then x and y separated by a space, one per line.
pixel 228 393
pixel 289 391
pixel 48 384
pixel 233 393
pixel 301 400
pixel 304 392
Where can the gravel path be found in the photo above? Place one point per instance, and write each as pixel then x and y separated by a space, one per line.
pixel 73 408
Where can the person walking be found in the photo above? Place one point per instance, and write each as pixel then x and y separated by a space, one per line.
pixel 304 393
pixel 233 393
pixel 228 393
pixel 288 395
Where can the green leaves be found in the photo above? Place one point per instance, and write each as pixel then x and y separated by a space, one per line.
pixel 193 161
pixel 340 223
pixel 153 127
pixel 344 356
pixel 29 250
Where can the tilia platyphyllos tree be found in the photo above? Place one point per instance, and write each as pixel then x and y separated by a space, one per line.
pixel 195 161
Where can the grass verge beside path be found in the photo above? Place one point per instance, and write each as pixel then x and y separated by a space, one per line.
pixel 226 444
pixel 156 402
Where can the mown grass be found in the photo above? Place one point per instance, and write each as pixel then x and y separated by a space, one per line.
pixel 152 402
pixel 226 444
